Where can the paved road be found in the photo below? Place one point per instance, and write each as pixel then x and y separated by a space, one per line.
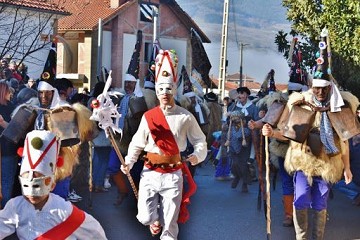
pixel 220 213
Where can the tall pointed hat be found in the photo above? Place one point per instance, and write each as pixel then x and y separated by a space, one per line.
pixel 49 72
pixel 188 89
pixel 132 74
pixel 133 68
pixel 200 60
pixel 166 69
pixel 297 75
pixel 322 73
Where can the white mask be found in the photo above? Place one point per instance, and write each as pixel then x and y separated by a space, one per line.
pixel 36 187
pixel 165 88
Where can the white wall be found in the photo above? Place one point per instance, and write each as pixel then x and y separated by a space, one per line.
pixel 36 60
pixel 106 49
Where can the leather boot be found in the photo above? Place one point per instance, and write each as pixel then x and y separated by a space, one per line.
pixel 319 225
pixel 120 183
pixel 301 223
pixel 288 208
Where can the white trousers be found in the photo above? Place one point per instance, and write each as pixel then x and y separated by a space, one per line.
pixel 160 197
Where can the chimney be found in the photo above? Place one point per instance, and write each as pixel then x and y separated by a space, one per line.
pixel 117 3
pixel 114 3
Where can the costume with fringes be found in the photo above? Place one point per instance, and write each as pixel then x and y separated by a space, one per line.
pixel 299 156
pixel 87 132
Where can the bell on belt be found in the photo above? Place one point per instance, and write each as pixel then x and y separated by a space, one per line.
pixel 63 122
pixel 22 123
pixel 137 106
pixel 273 114
pixel 298 126
pixel 345 123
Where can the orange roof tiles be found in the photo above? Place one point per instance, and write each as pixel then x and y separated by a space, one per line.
pixel 229 85
pixel 86 13
pixel 44 5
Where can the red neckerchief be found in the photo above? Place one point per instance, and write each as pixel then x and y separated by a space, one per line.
pixel 160 131
pixel 164 139
pixel 66 228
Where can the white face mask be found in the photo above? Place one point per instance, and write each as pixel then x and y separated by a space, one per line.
pixel 36 187
pixel 165 88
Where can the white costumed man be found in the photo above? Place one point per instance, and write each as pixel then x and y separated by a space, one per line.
pixel 39 214
pixel 163 134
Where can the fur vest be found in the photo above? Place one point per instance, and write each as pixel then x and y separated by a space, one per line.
pixel 299 156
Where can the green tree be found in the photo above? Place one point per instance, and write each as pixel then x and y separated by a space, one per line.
pixel 342 19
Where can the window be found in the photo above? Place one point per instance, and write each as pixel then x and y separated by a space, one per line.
pixel 147 11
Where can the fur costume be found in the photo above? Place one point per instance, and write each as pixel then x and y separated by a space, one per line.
pixel 276 148
pixel 299 156
pixel 214 120
pixel 87 131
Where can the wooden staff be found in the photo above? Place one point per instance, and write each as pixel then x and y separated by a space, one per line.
pixel 258 157
pixel 267 163
pixel 228 136
pixel 90 173
pixel 243 133
pixel 117 150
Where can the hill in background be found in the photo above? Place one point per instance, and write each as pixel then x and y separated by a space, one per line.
pixel 253 22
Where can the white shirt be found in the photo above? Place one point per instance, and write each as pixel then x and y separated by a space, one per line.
pixel 182 124
pixel 20 216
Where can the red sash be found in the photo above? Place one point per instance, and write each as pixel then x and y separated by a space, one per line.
pixel 164 139
pixel 160 131
pixel 66 228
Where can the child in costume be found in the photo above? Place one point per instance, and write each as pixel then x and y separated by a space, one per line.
pixel 39 214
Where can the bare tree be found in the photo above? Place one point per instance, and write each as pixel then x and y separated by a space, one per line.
pixel 24 31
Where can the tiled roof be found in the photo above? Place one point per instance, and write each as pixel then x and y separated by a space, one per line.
pixel 236 76
pixel 229 85
pixel 43 5
pixel 85 14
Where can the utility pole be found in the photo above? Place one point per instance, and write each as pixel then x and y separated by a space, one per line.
pixel 155 12
pixel 223 50
pixel 99 49
pixel 241 63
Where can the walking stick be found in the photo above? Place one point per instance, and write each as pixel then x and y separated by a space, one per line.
pixel 117 150
pixel 258 157
pixel 91 149
pixel 243 143
pixel 228 136
pixel 267 163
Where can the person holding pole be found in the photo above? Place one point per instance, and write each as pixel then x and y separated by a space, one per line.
pixel 318 153
pixel 163 134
